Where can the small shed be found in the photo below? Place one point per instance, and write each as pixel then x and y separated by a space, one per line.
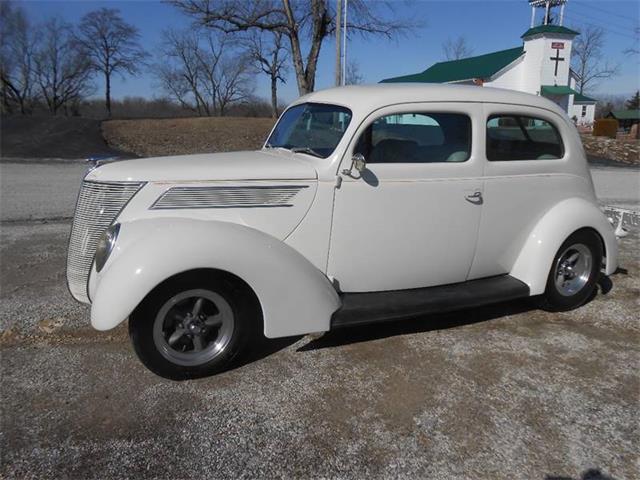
pixel 626 118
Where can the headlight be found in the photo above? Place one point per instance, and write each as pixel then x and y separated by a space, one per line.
pixel 105 245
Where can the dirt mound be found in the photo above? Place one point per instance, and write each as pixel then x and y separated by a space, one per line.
pixel 53 137
pixel 178 136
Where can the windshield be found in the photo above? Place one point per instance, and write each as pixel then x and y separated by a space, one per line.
pixel 311 128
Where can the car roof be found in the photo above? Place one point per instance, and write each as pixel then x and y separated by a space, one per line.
pixel 363 99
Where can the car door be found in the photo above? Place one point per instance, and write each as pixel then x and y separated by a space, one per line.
pixel 410 219
pixel 525 175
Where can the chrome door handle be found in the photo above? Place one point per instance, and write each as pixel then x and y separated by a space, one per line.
pixel 475 197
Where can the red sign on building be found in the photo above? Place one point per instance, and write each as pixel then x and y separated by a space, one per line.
pixel 558 45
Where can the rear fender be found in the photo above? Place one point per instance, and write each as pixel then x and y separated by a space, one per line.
pixel 295 297
pixel 534 261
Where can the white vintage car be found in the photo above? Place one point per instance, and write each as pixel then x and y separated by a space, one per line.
pixel 366 204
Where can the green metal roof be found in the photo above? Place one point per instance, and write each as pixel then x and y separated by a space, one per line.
pixel 557 90
pixel 566 90
pixel 483 66
pixel 579 98
pixel 626 114
pixel 549 29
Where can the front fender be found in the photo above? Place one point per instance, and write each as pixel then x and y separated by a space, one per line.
pixel 295 297
pixel 534 261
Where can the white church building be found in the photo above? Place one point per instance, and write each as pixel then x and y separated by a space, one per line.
pixel 541 66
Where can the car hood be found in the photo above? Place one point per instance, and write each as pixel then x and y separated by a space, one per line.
pixel 250 165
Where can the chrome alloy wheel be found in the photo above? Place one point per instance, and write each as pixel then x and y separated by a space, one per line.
pixel 573 269
pixel 193 327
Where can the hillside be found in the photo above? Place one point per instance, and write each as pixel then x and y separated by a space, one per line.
pixel 154 137
pixel 53 137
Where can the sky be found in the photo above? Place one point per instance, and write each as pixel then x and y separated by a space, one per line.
pixel 487 25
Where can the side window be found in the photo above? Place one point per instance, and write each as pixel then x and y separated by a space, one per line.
pixel 518 137
pixel 417 138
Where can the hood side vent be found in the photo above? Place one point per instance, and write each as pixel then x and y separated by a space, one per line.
pixel 227 197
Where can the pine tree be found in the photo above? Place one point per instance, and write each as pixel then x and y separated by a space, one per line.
pixel 634 102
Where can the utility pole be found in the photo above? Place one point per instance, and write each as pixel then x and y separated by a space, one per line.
pixel 344 44
pixel 338 43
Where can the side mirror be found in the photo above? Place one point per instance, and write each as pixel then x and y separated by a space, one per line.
pixel 358 161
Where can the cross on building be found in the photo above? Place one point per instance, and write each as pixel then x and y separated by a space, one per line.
pixel 557 59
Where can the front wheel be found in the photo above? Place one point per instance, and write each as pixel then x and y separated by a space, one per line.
pixel 191 328
pixel 574 272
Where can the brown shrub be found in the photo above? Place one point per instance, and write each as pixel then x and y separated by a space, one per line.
pixel 605 127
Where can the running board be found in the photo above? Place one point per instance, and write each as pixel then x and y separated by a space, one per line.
pixel 372 307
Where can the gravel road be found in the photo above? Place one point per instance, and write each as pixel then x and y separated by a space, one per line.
pixel 39 190
pixel 500 392
pixel 617 186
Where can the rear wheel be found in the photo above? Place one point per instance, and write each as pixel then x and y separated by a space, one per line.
pixel 574 272
pixel 193 327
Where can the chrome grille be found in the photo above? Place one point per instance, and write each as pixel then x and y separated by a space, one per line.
pixel 99 203
pixel 227 197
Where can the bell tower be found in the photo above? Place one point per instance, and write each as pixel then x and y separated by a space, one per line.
pixel 547 6
pixel 547 44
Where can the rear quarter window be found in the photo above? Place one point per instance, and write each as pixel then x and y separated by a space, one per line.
pixel 520 137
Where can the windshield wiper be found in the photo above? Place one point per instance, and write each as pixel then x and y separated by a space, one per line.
pixel 307 150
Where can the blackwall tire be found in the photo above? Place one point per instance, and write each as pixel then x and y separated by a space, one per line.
pixel 574 272
pixel 193 327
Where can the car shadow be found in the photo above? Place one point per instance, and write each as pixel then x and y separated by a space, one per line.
pixel 421 324
pixel 605 285
pixel 591 474
pixel 429 323
pixel 265 347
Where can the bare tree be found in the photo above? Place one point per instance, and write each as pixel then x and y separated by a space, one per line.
pixel 112 46
pixel 609 102
pixel 353 76
pixel 635 48
pixel 17 47
pixel 62 70
pixel 179 71
pixel 234 84
pixel 172 82
pixel 225 73
pixel 306 23
pixel 587 61
pixel 455 49
pixel 198 70
pixel 270 57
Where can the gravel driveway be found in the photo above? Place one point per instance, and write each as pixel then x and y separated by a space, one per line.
pixel 500 392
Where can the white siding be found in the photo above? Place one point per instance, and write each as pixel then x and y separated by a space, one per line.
pixel 510 77
pixel 590 112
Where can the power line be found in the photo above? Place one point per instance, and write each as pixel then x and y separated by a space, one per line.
pixel 603 27
pixel 605 11
pixel 617 25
